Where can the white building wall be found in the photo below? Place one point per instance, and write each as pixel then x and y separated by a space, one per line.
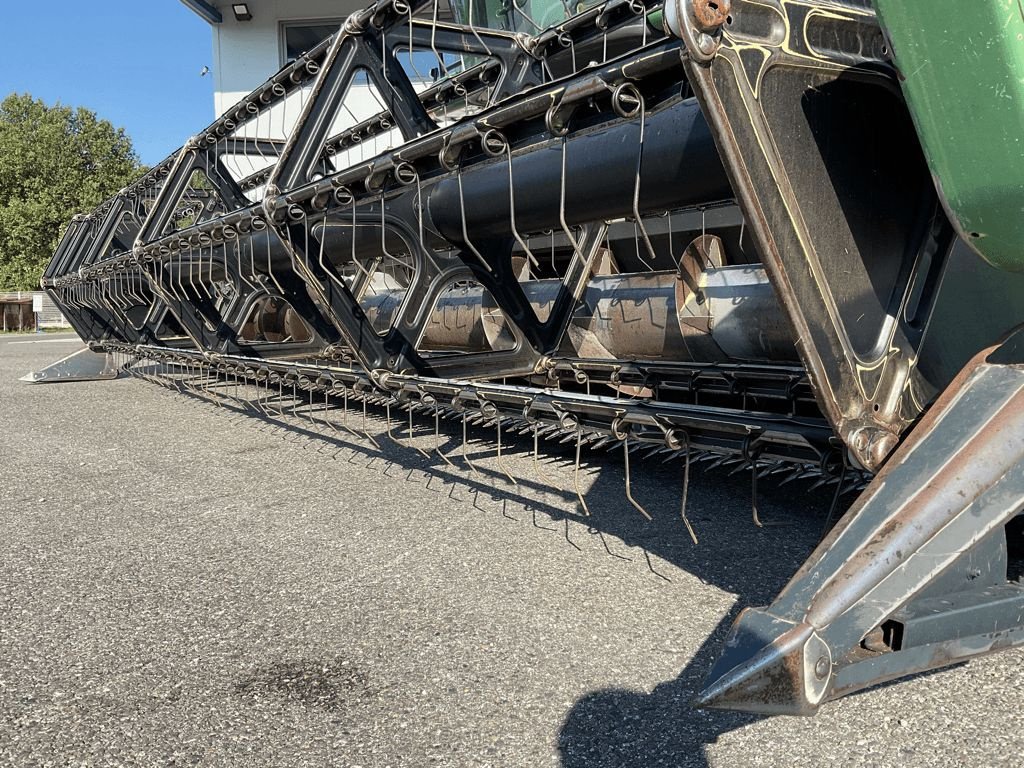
pixel 246 53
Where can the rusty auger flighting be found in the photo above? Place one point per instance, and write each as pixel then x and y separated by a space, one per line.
pixel 744 229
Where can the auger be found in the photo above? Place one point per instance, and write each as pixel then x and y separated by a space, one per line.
pixel 779 234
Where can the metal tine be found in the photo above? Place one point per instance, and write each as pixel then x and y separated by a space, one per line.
pixel 794 473
pixel 344 418
pixel 295 415
pixel 257 403
pixel 259 396
pixel 686 480
pixel 424 453
pixel 390 434
pixel 465 452
pixel 387 412
pixel 366 432
pixel 705 456
pixel 501 463
pixel 242 387
pixel 344 426
pixel 855 485
pixel 309 413
pixel 437 437
pixel 207 372
pixel 576 470
pixel 277 414
pixel 186 380
pixel 741 463
pixel 624 436
pixel 197 374
pixel 235 397
pixel 835 502
pixel 721 460
pixel 536 456
pixel 673 454
pixel 753 493
pixel 823 480
pixel 809 471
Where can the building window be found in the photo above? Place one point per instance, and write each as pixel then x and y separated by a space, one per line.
pixel 298 37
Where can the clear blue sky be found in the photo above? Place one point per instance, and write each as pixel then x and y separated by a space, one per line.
pixel 135 63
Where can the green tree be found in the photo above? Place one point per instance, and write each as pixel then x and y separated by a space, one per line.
pixel 54 162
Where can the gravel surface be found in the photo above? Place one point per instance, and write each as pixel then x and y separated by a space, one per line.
pixel 182 584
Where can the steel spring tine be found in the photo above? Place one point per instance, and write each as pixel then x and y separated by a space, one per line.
pixel 823 480
pixel 347 429
pixel 465 452
pixel 259 399
pixel 437 438
pixel 793 475
pixel 719 461
pixel 686 489
pixel 309 413
pixel 422 452
pixel 366 432
pixel 576 472
pixel 672 456
pixel 208 380
pixel 835 502
pixel 501 463
pixel 855 485
pixel 536 456
pixel 629 489
pixel 741 463
pixel 753 493
pixel 387 416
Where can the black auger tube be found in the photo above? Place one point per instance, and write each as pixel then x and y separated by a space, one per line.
pixel 679 167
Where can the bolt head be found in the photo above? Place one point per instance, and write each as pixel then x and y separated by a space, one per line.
pixel 709 15
pixel 822 667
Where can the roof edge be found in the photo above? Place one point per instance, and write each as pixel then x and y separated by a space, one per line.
pixel 206 11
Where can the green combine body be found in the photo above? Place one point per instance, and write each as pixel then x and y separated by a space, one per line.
pixel 961 67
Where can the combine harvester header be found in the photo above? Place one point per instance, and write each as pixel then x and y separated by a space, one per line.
pixel 781 234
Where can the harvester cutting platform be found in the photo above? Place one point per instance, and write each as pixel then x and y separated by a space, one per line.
pixel 787 234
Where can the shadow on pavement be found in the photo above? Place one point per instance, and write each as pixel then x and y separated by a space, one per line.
pixel 613 727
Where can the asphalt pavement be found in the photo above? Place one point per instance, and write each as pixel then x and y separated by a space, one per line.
pixel 185 584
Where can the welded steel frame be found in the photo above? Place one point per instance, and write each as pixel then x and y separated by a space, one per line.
pixel 833 278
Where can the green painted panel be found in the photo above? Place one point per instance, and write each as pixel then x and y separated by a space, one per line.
pixel 962 65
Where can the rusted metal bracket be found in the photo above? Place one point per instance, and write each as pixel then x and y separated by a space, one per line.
pixel 914 577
